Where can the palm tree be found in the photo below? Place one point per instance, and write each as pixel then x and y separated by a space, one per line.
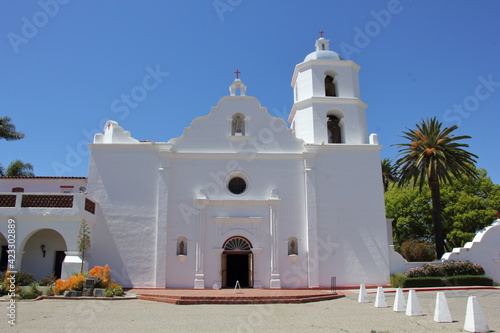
pixel 19 169
pixel 8 130
pixel 388 173
pixel 434 155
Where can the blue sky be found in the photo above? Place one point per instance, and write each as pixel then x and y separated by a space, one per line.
pixel 66 66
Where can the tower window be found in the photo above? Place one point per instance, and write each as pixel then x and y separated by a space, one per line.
pixel 330 87
pixel 238 125
pixel 334 130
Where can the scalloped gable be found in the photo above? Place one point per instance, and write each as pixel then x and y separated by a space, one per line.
pixel 262 132
pixel 114 133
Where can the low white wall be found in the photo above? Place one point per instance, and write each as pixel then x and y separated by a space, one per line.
pixel 398 264
pixel 483 250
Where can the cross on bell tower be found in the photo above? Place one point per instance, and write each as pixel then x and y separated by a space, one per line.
pixel 237 85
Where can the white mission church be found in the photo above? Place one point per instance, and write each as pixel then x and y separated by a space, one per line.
pixel 238 197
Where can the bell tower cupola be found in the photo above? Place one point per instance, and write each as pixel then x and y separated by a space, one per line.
pixel 327 107
pixel 237 86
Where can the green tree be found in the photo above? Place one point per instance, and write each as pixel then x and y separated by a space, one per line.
pixel 388 173
pixel 412 214
pixel 19 169
pixel 8 130
pixel 469 205
pixel 83 241
pixel 433 155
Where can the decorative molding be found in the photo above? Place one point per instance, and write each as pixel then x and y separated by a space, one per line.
pixel 312 147
pixel 235 202
pixel 237 219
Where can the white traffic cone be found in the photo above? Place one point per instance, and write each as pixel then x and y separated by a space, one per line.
pixel 441 311
pixel 413 307
pixel 380 300
pixel 363 297
pixel 399 302
pixel 474 318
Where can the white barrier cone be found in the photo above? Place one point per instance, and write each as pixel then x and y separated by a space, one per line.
pixel 380 300
pixel 474 318
pixel 413 307
pixel 363 297
pixel 399 302
pixel 441 311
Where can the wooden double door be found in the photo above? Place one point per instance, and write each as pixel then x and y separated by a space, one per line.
pixel 237 266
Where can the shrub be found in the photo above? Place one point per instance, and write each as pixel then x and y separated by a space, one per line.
pixel 48 280
pixel 74 282
pixel 31 292
pixel 50 292
pixel 61 286
pixel 464 280
pixel 397 280
pixel 113 285
pixel 3 290
pixel 6 284
pixel 118 291
pixel 103 273
pixel 27 294
pixel 415 250
pixel 450 268
pixel 24 279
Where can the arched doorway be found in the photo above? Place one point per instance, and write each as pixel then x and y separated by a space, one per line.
pixel 44 252
pixel 237 263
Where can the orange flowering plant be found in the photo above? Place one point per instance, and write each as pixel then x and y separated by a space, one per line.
pixel 103 273
pixel 77 281
pixel 74 282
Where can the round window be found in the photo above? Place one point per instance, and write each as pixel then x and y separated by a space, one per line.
pixel 237 185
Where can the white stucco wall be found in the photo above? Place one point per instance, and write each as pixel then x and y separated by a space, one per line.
pixel 483 250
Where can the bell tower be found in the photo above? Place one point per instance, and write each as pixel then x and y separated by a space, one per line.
pixel 327 107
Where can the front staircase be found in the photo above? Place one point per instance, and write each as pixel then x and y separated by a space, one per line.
pixel 194 297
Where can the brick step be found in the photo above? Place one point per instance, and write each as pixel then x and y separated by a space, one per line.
pixel 192 300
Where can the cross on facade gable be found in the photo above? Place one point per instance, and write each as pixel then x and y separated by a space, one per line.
pixel 237 74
